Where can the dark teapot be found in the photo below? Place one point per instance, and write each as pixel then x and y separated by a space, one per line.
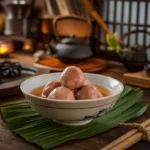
pixel 134 57
pixel 71 50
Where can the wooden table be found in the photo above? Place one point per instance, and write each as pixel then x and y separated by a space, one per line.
pixel 10 141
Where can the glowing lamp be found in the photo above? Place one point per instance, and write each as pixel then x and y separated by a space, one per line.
pixel 6 47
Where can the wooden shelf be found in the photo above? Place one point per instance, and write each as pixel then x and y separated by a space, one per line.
pixel 13 37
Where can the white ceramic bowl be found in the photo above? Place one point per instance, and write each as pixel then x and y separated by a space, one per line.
pixel 73 112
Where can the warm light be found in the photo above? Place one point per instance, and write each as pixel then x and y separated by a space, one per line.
pixel 46 26
pixel 27 47
pixel 3 49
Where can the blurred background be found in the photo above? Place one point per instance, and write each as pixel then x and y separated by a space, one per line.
pixel 29 23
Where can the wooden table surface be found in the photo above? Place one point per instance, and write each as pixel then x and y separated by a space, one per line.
pixel 10 141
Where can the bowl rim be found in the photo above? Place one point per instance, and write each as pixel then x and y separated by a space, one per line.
pixel 74 101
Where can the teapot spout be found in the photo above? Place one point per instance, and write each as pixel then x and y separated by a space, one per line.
pixel 52 48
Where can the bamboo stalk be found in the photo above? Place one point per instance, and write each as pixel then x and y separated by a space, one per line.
pixel 128 139
pixel 96 16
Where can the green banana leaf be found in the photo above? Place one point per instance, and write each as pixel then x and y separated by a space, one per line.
pixel 34 128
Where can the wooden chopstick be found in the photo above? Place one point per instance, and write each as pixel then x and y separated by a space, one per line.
pixel 96 16
pixel 127 139
pixel 129 142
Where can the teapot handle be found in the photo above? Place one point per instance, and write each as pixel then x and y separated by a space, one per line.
pixel 77 24
pixel 123 36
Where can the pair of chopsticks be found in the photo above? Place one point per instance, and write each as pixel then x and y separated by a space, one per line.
pixel 128 139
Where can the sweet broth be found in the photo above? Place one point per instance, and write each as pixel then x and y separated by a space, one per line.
pixel 38 91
